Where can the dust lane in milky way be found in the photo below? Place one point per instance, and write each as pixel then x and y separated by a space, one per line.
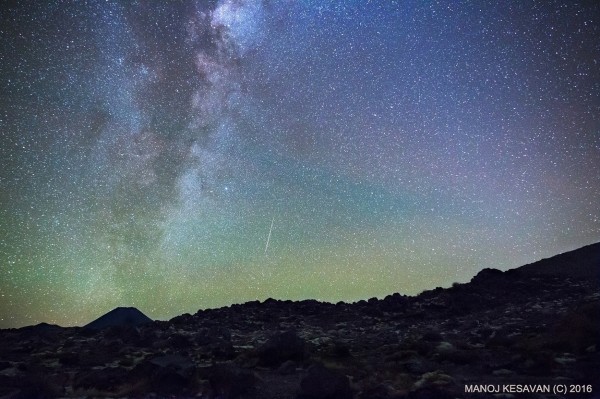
pixel 189 155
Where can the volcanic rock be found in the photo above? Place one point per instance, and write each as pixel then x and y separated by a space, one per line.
pixel 324 383
pixel 230 382
pixel 282 347
pixel 539 324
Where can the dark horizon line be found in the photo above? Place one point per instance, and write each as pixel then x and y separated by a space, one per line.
pixel 597 243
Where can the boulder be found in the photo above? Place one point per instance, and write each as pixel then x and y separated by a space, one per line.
pixel 282 347
pixel 324 383
pixel 230 382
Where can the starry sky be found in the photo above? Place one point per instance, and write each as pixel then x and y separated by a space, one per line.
pixel 181 155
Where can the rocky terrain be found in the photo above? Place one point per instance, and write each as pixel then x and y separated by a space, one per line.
pixel 534 326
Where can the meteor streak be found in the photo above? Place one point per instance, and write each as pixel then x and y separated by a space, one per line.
pixel 269 236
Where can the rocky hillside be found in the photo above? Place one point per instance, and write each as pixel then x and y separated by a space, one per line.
pixel 528 328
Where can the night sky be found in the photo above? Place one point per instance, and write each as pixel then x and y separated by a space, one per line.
pixel 174 156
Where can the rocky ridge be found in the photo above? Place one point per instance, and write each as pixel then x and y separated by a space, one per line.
pixel 523 326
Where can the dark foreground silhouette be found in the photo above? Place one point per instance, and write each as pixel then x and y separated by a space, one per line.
pixel 123 317
pixel 507 334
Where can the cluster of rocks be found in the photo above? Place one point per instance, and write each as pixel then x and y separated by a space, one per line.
pixel 514 327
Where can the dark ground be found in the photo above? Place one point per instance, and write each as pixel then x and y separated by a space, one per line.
pixel 537 325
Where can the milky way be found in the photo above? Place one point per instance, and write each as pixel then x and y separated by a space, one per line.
pixel 182 155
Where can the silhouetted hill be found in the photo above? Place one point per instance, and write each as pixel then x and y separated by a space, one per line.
pixel 533 326
pixel 41 328
pixel 583 263
pixel 119 317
